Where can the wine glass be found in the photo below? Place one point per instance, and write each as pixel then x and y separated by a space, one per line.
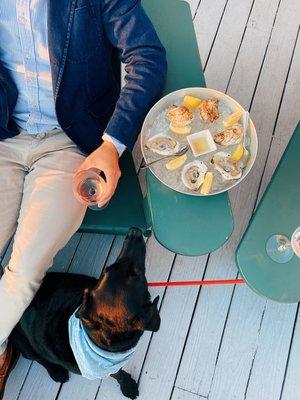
pixel 88 188
pixel 281 249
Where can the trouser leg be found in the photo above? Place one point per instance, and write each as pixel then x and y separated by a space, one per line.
pixel 49 216
pixel 11 190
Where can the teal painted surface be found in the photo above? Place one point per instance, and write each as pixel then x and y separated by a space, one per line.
pixel 278 213
pixel 184 224
pixel 125 209
pixel 188 225
pixel 173 22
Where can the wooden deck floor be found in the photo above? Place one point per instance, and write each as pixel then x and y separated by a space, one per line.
pixel 216 343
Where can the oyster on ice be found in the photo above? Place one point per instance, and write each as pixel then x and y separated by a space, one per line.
pixel 162 144
pixel 228 169
pixel 179 115
pixel 230 136
pixel 193 174
pixel 209 110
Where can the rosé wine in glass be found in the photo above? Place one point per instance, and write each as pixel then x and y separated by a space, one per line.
pixel 88 187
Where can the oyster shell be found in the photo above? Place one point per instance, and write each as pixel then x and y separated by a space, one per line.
pixel 230 136
pixel 209 110
pixel 227 168
pixel 180 115
pixel 162 144
pixel 193 174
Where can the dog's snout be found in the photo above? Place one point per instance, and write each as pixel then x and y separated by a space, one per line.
pixel 134 233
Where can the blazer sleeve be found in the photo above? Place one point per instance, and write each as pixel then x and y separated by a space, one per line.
pixel 130 30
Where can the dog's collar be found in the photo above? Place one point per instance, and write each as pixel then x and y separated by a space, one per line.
pixel 93 361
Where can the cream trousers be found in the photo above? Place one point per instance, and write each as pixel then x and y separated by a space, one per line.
pixel 38 205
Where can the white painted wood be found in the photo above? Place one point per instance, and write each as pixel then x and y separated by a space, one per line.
pixel 199 358
pixel 238 346
pixel 38 385
pixel 206 23
pixel 78 388
pixel 206 332
pixel 272 351
pixel 16 379
pixel 194 5
pixel 288 115
pixel 278 353
pixel 227 43
pixel 291 384
pixel 252 50
pixel 287 119
pixel 180 394
pixel 163 357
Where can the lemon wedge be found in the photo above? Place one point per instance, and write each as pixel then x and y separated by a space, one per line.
pixel 238 153
pixel 191 102
pixel 176 162
pixel 180 130
pixel 232 118
pixel 207 184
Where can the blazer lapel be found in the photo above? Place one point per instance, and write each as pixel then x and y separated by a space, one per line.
pixel 60 18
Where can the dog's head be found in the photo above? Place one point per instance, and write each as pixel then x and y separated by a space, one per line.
pixel 119 309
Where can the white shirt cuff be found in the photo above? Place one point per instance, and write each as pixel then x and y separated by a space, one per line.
pixel 118 145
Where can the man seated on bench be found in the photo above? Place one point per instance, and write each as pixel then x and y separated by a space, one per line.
pixel 60 101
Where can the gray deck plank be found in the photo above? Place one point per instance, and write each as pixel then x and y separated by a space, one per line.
pixel 268 360
pixel 238 346
pixel 210 330
pixel 217 331
pixel 227 43
pixel 206 23
pixel 194 5
pixel 287 118
pixel 272 351
pixel 180 394
pixel 291 383
pixel 253 48
pixel 160 368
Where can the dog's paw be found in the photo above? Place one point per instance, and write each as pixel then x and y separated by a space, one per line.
pixel 129 387
pixel 59 374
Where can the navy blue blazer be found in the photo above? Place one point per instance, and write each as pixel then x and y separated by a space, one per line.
pixel 84 36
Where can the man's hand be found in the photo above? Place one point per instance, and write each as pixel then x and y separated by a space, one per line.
pixel 106 159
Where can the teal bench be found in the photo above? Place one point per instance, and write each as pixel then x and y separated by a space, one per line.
pixel 182 223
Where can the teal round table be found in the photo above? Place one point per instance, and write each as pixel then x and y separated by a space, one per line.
pixel 277 213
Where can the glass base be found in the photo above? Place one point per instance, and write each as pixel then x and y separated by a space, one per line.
pixel 96 208
pixel 279 249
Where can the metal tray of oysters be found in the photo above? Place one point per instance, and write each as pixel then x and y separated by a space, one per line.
pixel 216 142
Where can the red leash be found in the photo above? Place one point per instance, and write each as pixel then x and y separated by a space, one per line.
pixel 199 283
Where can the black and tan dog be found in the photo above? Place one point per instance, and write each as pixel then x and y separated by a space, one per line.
pixel 115 311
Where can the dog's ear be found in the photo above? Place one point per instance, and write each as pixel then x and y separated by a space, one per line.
pixel 150 320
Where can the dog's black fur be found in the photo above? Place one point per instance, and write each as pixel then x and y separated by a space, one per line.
pixel 115 310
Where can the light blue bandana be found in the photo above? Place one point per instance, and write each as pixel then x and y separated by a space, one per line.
pixel 94 362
